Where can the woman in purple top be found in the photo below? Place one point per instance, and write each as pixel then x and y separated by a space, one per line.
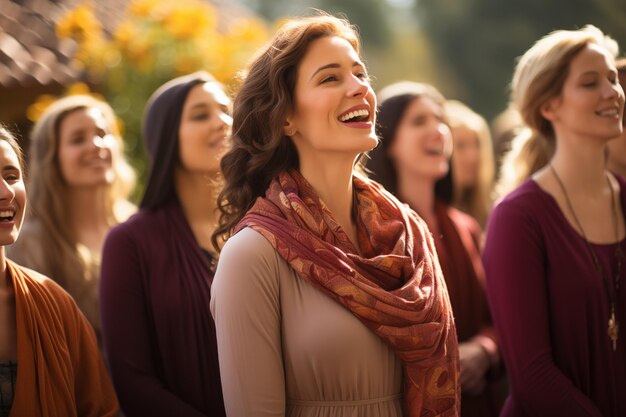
pixel 555 245
pixel 157 269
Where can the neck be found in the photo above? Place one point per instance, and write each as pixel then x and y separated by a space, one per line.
pixel 333 183
pixel 197 195
pixel 87 208
pixel 419 193
pixel 616 167
pixel 4 279
pixel 582 166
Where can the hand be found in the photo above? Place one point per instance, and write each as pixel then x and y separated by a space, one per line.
pixel 474 365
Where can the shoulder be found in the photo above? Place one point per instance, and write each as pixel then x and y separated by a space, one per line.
pixel 249 248
pixel 525 200
pixel 40 283
pixel 463 220
pixel 250 270
pixel 141 226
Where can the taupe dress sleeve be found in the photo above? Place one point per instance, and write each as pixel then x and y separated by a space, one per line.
pixel 287 349
pixel 246 308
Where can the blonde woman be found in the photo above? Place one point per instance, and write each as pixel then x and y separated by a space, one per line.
pixel 616 160
pixel 554 251
pixel 472 161
pixel 78 186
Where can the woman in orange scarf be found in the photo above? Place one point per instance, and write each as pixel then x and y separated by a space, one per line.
pixel 50 364
pixel 328 297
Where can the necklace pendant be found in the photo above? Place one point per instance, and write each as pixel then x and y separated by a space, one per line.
pixel 613 330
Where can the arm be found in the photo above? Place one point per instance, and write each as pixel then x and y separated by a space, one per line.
pixel 514 259
pixel 245 304
pixel 95 396
pixel 126 333
pixel 93 392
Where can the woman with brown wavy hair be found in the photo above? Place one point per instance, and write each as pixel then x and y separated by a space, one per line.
pixel 78 184
pixel 328 297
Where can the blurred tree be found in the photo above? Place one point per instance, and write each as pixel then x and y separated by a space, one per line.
pixel 156 40
pixel 479 40
pixel 369 16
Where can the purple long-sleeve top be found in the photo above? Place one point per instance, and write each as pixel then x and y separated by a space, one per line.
pixel 551 310
pixel 158 332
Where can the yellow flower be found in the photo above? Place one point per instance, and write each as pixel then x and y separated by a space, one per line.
pixel 142 8
pixel 79 23
pixel 249 31
pixel 124 34
pixel 190 20
pixel 36 109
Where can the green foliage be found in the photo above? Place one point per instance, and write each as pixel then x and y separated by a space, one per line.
pixel 479 40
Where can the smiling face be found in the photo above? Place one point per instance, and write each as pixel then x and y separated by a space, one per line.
pixel 86 146
pixel 422 144
pixel 12 195
pixel 591 103
pixel 334 104
pixel 205 124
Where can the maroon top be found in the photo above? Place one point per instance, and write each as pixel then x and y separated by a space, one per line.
pixel 158 332
pixel 551 310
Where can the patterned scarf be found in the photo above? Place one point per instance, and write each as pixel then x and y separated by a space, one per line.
pixel 395 287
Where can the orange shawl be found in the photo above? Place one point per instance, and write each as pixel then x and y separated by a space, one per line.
pixel 395 288
pixel 59 369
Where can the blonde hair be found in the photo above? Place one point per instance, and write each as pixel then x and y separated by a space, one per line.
pixel 476 200
pixel 528 154
pixel 539 76
pixel 541 72
pixel 48 190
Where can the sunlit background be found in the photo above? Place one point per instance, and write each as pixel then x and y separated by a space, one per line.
pixel 122 50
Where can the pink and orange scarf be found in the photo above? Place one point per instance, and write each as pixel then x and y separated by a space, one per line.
pixel 395 287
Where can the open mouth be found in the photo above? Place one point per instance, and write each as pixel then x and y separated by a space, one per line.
pixel 355 116
pixel 612 112
pixel 6 215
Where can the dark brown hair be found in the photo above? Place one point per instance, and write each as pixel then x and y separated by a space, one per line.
pixel 393 102
pixel 259 148
pixel 7 136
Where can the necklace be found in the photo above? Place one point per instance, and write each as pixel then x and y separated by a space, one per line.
pixel 613 325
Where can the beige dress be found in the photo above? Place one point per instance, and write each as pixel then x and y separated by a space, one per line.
pixel 287 349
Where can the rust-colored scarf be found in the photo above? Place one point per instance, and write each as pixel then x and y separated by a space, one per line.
pixel 59 369
pixel 395 287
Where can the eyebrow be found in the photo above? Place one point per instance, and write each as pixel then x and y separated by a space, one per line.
pixel 198 105
pixel 10 168
pixel 593 72
pixel 335 65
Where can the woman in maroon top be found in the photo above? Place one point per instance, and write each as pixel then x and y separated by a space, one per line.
pixel 413 162
pixel 157 266
pixel 554 249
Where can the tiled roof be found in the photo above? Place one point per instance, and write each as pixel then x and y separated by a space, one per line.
pixel 31 54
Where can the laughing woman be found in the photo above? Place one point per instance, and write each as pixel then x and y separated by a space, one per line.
pixel 50 364
pixel 328 297
pixel 78 184
pixel 555 245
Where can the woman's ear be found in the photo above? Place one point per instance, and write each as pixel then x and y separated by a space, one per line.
pixel 289 128
pixel 549 108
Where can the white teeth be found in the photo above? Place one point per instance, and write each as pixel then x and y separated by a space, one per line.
pixel 7 213
pixel 353 114
pixel 609 112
